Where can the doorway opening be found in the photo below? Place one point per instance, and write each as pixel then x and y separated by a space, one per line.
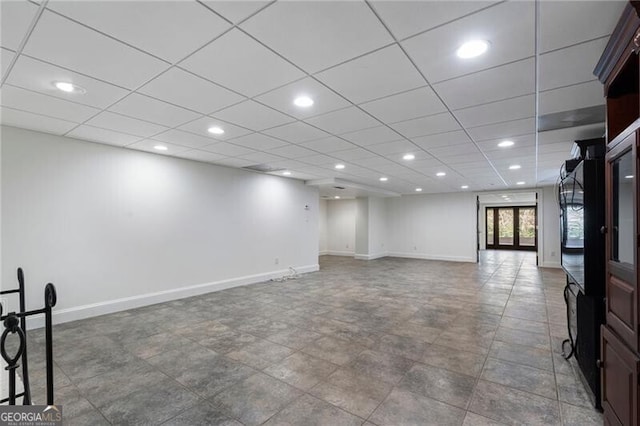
pixel 511 228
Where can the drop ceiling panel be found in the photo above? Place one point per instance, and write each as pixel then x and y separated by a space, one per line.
pixel 124 124
pixel 343 121
pixel 152 110
pixel 405 106
pixel 65 43
pixel 240 53
pixel 25 100
pixel 317 35
pixel 378 74
pixel 15 19
pixel 156 27
pixel 297 132
pixel 496 112
pixel 518 141
pixel 564 23
pixel 455 150
pixel 260 158
pixel 509 27
pixel 109 137
pixel 252 115
pixel 503 130
pixel 235 11
pixel 327 145
pixel 507 81
pixel 234 162
pixel 442 139
pixel 292 151
pixel 259 142
pixel 439 123
pixel 6 56
pixel 202 156
pixel 571 134
pixel 40 123
pixel 572 97
pixel 183 138
pixel 149 144
pixel 318 160
pixel 353 154
pixel 324 100
pixel 194 92
pixel 405 18
pixel 372 136
pixel 395 147
pixel 570 65
pixel 201 126
pixel 225 148
pixel 39 76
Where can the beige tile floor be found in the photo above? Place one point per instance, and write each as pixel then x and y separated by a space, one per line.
pixel 384 342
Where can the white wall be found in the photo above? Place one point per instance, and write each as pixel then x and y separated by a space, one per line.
pixel 378 227
pixel 341 227
pixel 549 222
pixel 322 227
pixel 433 226
pixel 115 228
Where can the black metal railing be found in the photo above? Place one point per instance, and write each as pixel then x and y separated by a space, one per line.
pixel 15 323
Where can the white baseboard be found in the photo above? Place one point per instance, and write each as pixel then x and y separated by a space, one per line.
pixel 369 256
pixel 340 253
pixel 323 252
pixel 550 265
pixel 111 306
pixel 432 257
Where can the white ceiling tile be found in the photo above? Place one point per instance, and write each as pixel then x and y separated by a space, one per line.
pixel 324 100
pixel 297 132
pixel 39 76
pixel 443 139
pixel 260 158
pixel 405 18
pixel 330 144
pixel 179 137
pixel 259 142
pixel 203 156
pixel 15 18
pixel 503 130
pixel 571 134
pixel 453 150
pixel 128 125
pixel 343 121
pixel 234 162
pixel 395 147
pixel 201 126
pixel 153 110
pixel 518 152
pixel 229 149
pixel 95 134
pixel 25 100
pixel 190 91
pixel 6 56
pixel 495 112
pixel 570 65
pixel 353 155
pixel 62 42
pixel 572 97
pixel 161 31
pixel 372 136
pixel 318 160
pixel 252 115
pixel 40 123
pixel 235 11
pixel 378 74
pixel 563 23
pixel 518 142
pixel 292 151
pixel 317 35
pixel 507 81
pixel 405 106
pixel 249 68
pixel 509 27
pixel 430 125
pixel 149 144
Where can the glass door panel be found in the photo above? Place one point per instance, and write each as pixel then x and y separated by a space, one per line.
pixel 622 235
pixel 505 227
pixel 527 226
pixel 490 222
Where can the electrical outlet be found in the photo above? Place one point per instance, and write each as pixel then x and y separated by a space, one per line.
pixel 277 261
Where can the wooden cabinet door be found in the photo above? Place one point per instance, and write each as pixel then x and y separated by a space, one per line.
pixel 621 242
pixel 619 381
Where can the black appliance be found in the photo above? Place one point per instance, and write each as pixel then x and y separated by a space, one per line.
pixel 582 214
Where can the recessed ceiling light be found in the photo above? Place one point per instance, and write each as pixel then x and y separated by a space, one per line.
pixel 440 174
pixel 520 183
pixel 409 157
pixel 418 189
pixel 303 101
pixel 337 197
pixel 215 130
pixel 472 48
pixel 339 166
pixel 465 187
pixel 505 144
pixel 68 87
pixel 505 196
pixel 160 147
pixel 286 173
pixel 514 167
pixel 628 177
pixel 384 179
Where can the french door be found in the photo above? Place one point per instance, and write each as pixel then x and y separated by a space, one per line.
pixel 512 228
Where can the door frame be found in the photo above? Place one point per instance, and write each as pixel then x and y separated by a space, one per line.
pixel 516 228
